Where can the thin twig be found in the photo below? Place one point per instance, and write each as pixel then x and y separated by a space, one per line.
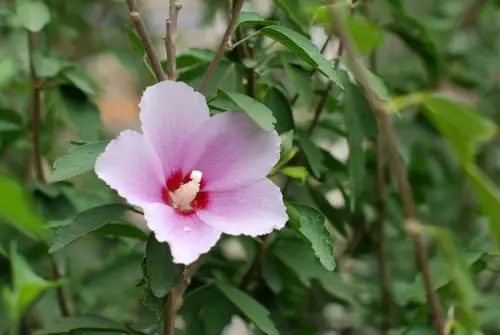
pixel 256 264
pixel 175 298
pixel 222 46
pixel 471 13
pixel 140 27
pixel 170 39
pixel 36 106
pixel 383 269
pixel 396 164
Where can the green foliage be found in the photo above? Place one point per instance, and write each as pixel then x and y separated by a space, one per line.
pixel 434 68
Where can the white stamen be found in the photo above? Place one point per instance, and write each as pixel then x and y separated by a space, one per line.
pixel 183 196
pixel 188 229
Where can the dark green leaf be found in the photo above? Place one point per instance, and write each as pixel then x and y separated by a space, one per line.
pixel 276 101
pixel 81 79
pixel 122 228
pixel 87 323
pixel 16 209
pixel 310 224
pixel 313 155
pixel 365 35
pixel 271 276
pixel 252 309
pixel 8 126
pixel 86 222
pixel 295 11
pixel 226 76
pixel 78 160
pixel 257 111
pixel 301 82
pixel 135 41
pixel 252 19
pixel 33 14
pixel 334 215
pixel 303 48
pixel 354 102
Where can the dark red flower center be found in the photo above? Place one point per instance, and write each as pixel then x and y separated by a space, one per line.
pixel 178 187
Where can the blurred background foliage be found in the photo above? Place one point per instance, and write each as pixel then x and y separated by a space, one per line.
pixel 435 64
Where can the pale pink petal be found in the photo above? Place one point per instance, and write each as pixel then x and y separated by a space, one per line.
pixel 169 111
pixel 131 167
pixel 187 236
pixel 253 210
pixel 231 150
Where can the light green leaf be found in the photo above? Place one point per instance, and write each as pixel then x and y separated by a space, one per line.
pixel 122 228
pixel 310 224
pixel 86 222
pixel 27 285
pixel 303 48
pixel 252 309
pixel 33 14
pixel 81 79
pixel 276 101
pixel 47 67
pixel 256 110
pixel 313 154
pixel 16 209
pixel 78 160
pixel 296 172
pixel 162 273
pixel 365 35
pixel 88 323
pixel 249 19
pixel 294 9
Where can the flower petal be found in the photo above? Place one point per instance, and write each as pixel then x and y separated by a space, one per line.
pixel 131 167
pixel 252 210
pixel 169 111
pixel 231 150
pixel 187 236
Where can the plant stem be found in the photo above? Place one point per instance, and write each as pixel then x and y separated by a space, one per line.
pixel 390 140
pixel 222 46
pixel 146 40
pixel 36 106
pixel 170 38
pixel 175 297
pixel 256 264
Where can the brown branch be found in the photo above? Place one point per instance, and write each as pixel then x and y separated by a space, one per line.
pixel 170 39
pixel 175 297
pixel 383 269
pixel 146 40
pixel 471 13
pixel 222 46
pixel 390 140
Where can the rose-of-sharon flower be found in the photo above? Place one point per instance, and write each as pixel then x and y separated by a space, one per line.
pixel 195 176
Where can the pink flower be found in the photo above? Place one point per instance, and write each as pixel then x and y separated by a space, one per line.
pixel 195 176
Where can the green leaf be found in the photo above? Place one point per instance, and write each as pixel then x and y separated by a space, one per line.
pixel 33 14
pixel 303 48
pixel 301 82
pixel 86 222
pixel 78 160
pixel 299 258
pixel 354 102
pixel 313 154
pixel 365 35
pixel 122 228
pixel 81 79
pixel 296 172
pixel 294 9
pixel 252 309
pixel 8 126
pixel 47 67
pixel 310 224
pixel 16 209
pixel 256 110
pixel 334 215
pixel 162 273
pixel 135 41
pixel 87 323
pixel 276 101
pixel 27 285
pixel 271 276
pixel 463 127
pixel 252 19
